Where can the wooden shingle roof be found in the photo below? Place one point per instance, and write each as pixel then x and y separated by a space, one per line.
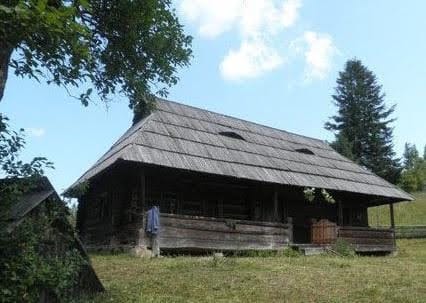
pixel 184 137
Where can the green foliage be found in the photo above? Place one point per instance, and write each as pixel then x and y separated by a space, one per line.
pixel 362 124
pixel 133 47
pixel 409 181
pixel 29 267
pixel 11 143
pixel 11 167
pixel 343 146
pixel 411 155
pixel 343 248
pixel 289 252
pixel 32 261
pixel 310 195
pixel 413 177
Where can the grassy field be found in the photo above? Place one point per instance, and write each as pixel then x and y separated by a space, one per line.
pixel 407 213
pixel 400 278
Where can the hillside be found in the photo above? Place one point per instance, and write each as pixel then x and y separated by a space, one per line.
pixel 406 213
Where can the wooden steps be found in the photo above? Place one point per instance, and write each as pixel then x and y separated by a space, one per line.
pixel 311 249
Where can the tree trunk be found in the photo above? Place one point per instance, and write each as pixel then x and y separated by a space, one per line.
pixel 5 54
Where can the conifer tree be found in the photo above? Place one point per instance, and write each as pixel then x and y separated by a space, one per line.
pixel 411 155
pixel 424 153
pixel 364 121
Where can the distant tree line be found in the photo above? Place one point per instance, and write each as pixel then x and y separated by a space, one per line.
pixel 413 176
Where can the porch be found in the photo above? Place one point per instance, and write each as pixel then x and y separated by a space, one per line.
pixel 196 233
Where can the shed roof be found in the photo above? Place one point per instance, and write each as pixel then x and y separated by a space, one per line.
pixel 184 137
pixel 35 191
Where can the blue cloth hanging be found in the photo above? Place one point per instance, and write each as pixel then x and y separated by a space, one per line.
pixel 153 221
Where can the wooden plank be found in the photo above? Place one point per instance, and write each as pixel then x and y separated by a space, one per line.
pixel 367 241
pixel 184 232
pixel 247 222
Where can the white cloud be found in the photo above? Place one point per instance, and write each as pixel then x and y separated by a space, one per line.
pixel 259 25
pixel 257 22
pixel 318 50
pixel 290 12
pixel 252 59
pixel 36 131
pixel 213 17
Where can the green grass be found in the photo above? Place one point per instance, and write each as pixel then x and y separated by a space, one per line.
pixel 406 213
pixel 398 278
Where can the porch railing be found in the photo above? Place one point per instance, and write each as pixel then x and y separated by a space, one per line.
pixel 206 233
pixel 367 239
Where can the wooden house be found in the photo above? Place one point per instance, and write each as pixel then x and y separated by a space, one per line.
pixel 38 200
pixel 223 183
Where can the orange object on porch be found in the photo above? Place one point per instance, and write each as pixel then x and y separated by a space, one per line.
pixel 323 232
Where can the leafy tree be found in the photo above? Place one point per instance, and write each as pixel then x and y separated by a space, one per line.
pixel 362 124
pixel 27 270
pixel 132 47
pixel 413 177
pixel 411 155
pixel 409 181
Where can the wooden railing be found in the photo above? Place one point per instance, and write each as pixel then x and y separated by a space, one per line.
pixel 366 239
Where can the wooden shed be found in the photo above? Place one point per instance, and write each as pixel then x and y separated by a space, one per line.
pixel 223 183
pixel 38 199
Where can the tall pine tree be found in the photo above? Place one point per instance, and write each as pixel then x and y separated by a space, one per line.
pixel 362 124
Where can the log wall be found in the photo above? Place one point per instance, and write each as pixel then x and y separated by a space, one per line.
pixel 111 213
pixel 202 233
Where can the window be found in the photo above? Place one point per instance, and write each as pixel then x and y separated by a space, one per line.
pixel 231 135
pixel 305 151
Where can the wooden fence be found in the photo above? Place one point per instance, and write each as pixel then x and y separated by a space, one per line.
pixel 410 231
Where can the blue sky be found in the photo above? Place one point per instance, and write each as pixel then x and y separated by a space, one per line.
pixel 272 62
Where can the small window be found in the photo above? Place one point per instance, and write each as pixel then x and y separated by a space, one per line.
pixel 305 151
pixel 231 135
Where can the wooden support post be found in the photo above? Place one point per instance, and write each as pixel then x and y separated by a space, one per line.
pixel 275 201
pixel 142 190
pixel 290 229
pixel 141 241
pixel 339 213
pixel 392 221
pixel 392 218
